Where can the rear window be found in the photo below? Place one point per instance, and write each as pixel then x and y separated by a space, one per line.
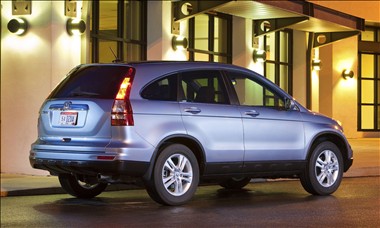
pixel 91 82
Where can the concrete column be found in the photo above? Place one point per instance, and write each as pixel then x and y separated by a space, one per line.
pixel 325 80
pixel 31 66
pixel 159 37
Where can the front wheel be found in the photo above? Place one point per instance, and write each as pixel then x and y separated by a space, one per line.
pixel 324 171
pixel 78 188
pixel 175 176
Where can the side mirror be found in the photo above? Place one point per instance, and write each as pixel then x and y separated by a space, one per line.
pixel 290 105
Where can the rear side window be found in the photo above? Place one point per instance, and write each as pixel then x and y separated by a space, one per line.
pixel 164 89
pixel 100 82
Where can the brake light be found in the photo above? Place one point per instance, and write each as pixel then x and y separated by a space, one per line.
pixel 122 114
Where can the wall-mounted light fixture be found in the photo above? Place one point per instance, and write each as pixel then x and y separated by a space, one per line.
pixel 179 42
pixel 75 26
pixel 346 74
pixel 18 26
pixel 259 56
pixel 316 64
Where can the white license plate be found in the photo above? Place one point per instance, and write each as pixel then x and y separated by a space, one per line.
pixel 68 118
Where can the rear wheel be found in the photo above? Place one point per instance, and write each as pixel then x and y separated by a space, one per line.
pixel 175 176
pixel 324 171
pixel 235 183
pixel 78 188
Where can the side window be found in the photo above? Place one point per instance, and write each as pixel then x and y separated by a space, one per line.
pixel 204 86
pixel 164 89
pixel 252 93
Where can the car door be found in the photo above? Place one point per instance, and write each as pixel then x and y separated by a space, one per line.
pixel 271 133
pixel 209 117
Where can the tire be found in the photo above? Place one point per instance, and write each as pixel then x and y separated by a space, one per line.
pixel 175 176
pixel 324 170
pixel 72 185
pixel 235 183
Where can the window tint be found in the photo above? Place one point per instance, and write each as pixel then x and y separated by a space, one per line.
pixel 252 93
pixel 164 89
pixel 203 87
pixel 101 82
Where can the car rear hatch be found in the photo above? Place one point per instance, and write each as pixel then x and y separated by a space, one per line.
pixel 77 114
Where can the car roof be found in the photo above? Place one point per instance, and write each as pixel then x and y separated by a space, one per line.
pixel 175 65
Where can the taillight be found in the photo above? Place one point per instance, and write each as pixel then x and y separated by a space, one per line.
pixel 122 114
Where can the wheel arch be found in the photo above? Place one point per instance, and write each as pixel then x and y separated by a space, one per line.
pixel 194 145
pixel 338 140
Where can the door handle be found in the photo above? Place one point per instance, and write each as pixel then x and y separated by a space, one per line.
pixel 192 110
pixel 252 113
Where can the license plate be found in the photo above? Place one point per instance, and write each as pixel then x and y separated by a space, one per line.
pixel 68 118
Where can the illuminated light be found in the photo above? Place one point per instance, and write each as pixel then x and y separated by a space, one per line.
pixel 347 74
pixel 75 26
pixel 122 113
pixel 316 64
pixel 18 26
pixel 104 157
pixel 179 43
pixel 123 89
pixel 259 56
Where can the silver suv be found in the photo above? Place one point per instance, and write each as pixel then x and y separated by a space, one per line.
pixel 173 124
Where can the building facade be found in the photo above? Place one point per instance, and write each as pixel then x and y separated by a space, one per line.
pixel 324 53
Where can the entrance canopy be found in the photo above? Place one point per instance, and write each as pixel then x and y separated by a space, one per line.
pixel 327 24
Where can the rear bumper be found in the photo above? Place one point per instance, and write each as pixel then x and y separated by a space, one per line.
pixel 91 168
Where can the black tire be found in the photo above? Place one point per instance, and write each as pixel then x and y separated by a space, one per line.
pixel 235 183
pixel 80 189
pixel 324 170
pixel 177 167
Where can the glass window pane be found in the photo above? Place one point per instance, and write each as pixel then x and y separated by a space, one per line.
pixel 105 54
pixel 104 82
pixel 270 71
pixel 378 92
pixel 132 52
pixel 367 117
pixel 367 91
pixel 284 77
pixel 254 93
pixel 251 93
pixel 220 59
pixel 200 57
pixel 270 46
pixel 368 34
pixel 220 39
pixel 284 47
pixel 132 20
pixel 108 17
pixel 204 87
pixel 164 89
pixel 201 32
pixel 367 65
pixel 378 117
pixel 378 66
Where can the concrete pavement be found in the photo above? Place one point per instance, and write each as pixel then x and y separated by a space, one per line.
pixel 366 163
